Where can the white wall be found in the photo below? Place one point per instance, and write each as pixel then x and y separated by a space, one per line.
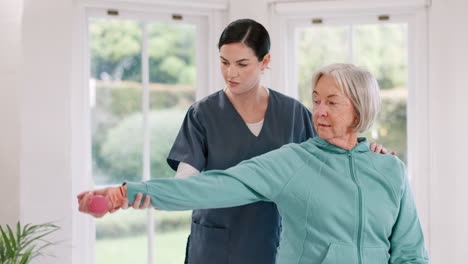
pixel 448 69
pixel 10 32
pixel 46 189
pixel 254 9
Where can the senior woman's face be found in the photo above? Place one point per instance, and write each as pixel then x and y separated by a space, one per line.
pixel 333 113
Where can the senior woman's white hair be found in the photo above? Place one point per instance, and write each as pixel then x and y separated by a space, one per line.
pixel 360 87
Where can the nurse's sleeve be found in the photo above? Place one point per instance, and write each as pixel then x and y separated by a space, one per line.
pixel 407 240
pixel 190 144
pixel 259 179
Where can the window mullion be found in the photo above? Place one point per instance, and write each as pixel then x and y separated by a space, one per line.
pixel 146 134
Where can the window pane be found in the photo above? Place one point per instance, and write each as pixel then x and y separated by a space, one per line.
pixel 115 100
pixel 121 238
pixel 116 90
pixel 172 87
pixel 172 71
pixel 317 47
pixel 383 50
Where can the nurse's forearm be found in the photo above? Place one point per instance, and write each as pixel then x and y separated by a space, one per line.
pixel 185 170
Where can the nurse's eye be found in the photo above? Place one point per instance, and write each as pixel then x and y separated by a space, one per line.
pixel 242 64
pixel 225 63
pixel 333 103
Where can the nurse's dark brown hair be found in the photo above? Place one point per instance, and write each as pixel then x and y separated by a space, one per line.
pixel 249 32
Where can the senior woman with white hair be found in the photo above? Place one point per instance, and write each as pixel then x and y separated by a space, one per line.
pixel 339 202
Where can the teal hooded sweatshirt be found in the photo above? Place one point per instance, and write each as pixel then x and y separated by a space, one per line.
pixel 337 206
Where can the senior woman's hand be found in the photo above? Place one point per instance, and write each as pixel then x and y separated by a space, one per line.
pixel 116 197
pixel 83 205
pixel 378 148
pixel 137 202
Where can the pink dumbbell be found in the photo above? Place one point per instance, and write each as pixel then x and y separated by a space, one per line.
pixel 98 205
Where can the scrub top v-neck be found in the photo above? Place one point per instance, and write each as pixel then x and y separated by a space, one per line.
pixel 214 136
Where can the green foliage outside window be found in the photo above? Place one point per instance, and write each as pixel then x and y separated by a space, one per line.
pixel 115 48
pixel 116 51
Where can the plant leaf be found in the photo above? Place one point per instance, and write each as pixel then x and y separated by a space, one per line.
pixel 9 252
pixel 12 237
pixel 2 250
pixel 33 239
pixel 22 247
pixel 27 256
pixel 18 232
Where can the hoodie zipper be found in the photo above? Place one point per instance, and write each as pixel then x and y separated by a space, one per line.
pixel 353 176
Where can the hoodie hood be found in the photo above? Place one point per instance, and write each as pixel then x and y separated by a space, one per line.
pixel 362 146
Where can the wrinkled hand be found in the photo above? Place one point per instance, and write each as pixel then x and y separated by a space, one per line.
pixel 378 148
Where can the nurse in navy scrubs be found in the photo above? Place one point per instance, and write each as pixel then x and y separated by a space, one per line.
pixel 237 123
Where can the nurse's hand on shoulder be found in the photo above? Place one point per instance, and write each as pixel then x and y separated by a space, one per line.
pixel 378 148
pixel 137 203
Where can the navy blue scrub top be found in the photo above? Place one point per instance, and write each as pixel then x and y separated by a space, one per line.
pixel 214 136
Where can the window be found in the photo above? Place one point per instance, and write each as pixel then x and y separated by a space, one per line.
pixel 143 77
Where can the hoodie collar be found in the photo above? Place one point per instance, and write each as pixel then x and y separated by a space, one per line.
pixel 362 146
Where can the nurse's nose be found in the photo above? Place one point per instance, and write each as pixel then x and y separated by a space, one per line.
pixel 232 71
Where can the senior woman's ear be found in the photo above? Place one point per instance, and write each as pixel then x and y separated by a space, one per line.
pixel 356 119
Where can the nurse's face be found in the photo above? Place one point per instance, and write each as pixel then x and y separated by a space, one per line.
pixel 240 68
pixel 333 113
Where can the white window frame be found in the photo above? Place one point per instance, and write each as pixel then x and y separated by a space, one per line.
pixel 210 19
pixel 286 17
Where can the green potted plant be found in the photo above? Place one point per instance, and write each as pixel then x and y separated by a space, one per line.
pixel 26 243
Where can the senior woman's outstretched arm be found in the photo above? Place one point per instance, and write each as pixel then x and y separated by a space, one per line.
pixel 258 179
pixel 407 240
